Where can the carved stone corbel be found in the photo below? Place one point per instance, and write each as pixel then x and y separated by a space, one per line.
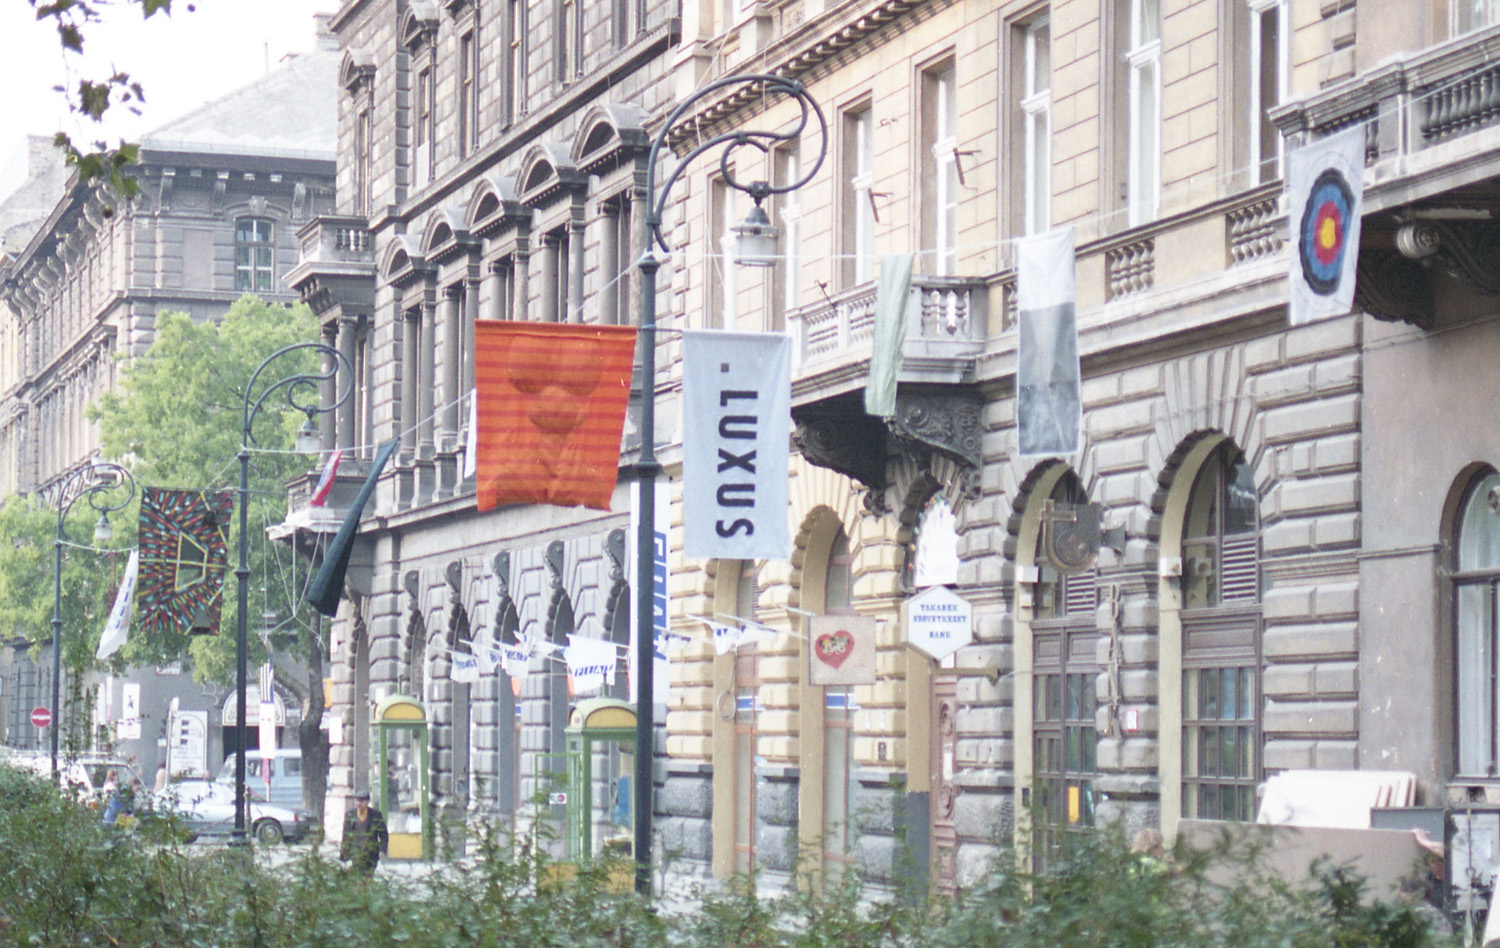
pixel 948 422
pixel 846 441
pixel 555 563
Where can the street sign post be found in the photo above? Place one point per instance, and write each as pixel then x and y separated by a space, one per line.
pixel 41 717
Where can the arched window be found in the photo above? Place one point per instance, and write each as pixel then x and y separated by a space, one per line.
pixel 1476 577
pixel 1221 640
pixel 838 720
pixel 1065 670
pixel 254 254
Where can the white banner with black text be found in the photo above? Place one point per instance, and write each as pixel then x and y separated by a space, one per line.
pixel 737 416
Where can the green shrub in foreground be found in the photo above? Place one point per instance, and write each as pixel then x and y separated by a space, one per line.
pixel 72 882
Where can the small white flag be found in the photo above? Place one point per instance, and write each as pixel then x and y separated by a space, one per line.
pixel 118 626
pixel 591 664
pixel 516 661
pixel 465 670
pixel 488 656
pixel 728 638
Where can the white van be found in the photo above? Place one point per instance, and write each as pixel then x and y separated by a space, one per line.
pixel 286 776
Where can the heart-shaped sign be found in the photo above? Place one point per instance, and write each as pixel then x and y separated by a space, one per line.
pixel 833 647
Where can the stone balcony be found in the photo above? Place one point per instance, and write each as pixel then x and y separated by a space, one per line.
pixel 946 324
pixel 938 405
pixel 335 274
pixel 1432 155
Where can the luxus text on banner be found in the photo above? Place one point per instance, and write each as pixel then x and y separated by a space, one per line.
pixel 736 429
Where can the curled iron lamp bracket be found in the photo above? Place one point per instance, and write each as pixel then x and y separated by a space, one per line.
pixel 762 141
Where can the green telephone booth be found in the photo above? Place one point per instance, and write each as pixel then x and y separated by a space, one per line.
pixel 601 805
pixel 401 736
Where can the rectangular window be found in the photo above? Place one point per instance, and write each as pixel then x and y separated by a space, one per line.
pixel 254 251
pixel 1143 65
pixel 513 98
pixel 468 93
pixel 364 426
pixel 362 197
pixel 1476 730
pixel 1220 740
pixel 423 139
pixel 939 162
pixel 838 760
pixel 1267 87
pixel 723 305
pixel 787 278
pixel 1064 742
pixel 1473 14
pixel 1036 126
pixel 857 237
pixel 627 21
pixel 570 40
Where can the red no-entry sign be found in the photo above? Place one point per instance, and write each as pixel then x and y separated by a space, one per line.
pixel 41 717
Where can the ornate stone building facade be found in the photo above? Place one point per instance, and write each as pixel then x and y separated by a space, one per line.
pixel 223 190
pixel 1297 569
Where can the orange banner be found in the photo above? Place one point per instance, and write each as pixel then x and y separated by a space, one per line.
pixel 552 402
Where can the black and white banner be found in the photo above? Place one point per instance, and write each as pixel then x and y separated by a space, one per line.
pixel 736 423
pixel 1049 404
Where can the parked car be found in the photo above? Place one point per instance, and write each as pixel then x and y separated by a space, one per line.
pixel 205 808
pixel 285 787
pixel 85 773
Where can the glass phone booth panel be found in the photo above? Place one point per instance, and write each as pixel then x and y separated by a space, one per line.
pixel 601 818
pixel 401 788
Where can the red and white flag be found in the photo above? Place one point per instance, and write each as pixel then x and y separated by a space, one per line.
pixel 325 482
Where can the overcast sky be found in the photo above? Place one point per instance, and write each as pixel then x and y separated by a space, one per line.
pixel 183 60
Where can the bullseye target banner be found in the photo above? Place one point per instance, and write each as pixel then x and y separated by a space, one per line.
pixel 1325 186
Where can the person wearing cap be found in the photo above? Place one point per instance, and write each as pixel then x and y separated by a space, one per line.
pixel 365 836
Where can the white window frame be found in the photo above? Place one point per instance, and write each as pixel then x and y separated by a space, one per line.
pixel 1470 15
pixel 1143 63
pixel 945 164
pixel 728 285
pixel 791 231
pixel 1258 65
pixel 861 189
pixel 1036 121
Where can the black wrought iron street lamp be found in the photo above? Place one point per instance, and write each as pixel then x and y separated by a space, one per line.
pixel 755 245
pixel 303 391
pixel 97 483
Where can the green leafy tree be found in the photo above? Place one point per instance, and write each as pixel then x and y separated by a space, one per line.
pixel 176 417
pixel 28 534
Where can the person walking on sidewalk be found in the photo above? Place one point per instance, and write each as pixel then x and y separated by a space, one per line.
pixel 365 836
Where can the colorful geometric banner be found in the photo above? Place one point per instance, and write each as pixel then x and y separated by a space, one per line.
pixel 552 402
pixel 1325 190
pixel 184 556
